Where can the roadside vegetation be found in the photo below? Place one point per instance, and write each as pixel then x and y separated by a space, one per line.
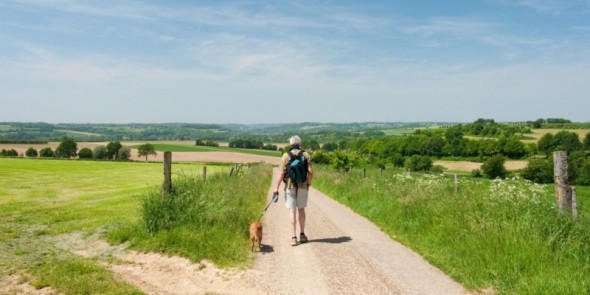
pixel 503 235
pixel 46 206
pixel 200 220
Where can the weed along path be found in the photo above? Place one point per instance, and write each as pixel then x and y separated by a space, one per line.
pixel 346 254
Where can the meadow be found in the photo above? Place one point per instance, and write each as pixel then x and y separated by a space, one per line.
pixel 501 236
pixel 42 202
pixel 190 147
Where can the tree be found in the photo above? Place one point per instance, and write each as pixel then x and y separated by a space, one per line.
pixel 514 148
pixel 113 149
pixel 85 153
pixel 100 152
pixel 568 141
pixel 546 144
pixel 454 135
pixel 587 141
pixel 538 123
pixel 46 152
pixel 67 148
pixel 146 150
pixel 494 167
pixel 31 153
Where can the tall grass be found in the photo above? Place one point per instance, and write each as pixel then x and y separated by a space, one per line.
pixel 201 220
pixel 504 234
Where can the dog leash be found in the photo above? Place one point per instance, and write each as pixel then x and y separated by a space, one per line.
pixel 275 198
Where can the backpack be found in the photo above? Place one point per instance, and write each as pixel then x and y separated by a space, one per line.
pixel 297 168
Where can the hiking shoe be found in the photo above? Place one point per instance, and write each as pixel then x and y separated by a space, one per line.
pixel 294 241
pixel 302 238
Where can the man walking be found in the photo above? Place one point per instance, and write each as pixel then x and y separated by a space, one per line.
pixel 295 193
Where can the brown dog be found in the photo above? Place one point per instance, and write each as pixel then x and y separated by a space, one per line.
pixel 255 235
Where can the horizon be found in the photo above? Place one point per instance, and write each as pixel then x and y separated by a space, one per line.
pixel 292 61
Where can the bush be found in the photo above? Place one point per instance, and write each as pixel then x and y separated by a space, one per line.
pixel 85 153
pixel 476 173
pixel 100 152
pixel 31 153
pixel 46 152
pixel 321 157
pixel 398 160
pixel 9 153
pixel 437 169
pixel 418 163
pixel 124 153
pixel 584 173
pixel 494 167
pixel 539 171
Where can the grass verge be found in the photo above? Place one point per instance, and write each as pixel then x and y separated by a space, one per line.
pixel 501 234
pixel 201 220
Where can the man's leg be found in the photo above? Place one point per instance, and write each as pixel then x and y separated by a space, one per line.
pixel 293 220
pixel 301 219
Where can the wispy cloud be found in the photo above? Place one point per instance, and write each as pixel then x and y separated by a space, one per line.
pixel 554 7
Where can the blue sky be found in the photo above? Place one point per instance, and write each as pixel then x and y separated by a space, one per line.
pixel 293 61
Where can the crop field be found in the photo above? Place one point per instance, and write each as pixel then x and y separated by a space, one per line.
pixel 538 133
pixel 186 147
pixel 43 201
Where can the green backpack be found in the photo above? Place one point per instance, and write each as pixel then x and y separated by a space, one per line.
pixel 297 168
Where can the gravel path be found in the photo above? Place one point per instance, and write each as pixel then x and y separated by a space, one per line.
pixel 346 254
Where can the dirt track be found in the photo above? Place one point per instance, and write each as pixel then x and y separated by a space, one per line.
pixel 346 254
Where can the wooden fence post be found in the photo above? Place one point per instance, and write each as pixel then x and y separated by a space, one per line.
pixel 364 172
pixel 574 203
pixel 167 172
pixel 563 191
pixel 456 182
pixel 381 172
pixel 204 173
pixel 231 171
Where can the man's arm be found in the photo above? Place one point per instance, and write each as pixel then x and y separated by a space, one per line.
pixel 309 175
pixel 279 180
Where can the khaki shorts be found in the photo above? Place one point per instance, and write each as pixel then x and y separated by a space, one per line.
pixel 299 201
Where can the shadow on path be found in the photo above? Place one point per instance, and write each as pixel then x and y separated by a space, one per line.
pixel 338 240
pixel 266 249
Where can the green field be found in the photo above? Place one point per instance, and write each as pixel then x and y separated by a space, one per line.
pixel 168 147
pixel 44 201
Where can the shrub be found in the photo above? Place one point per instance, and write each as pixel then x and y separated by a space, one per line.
pixel 584 173
pixel 437 169
pixel 124 153
pixel 476 173
pixel 9 153
pixel 418 163
pixel 100 152
pixel 539 171
pixel 46 152
pixel 321 157
pixel 494 167
pixel 31 152
pixel 85 153
pixel 398 160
